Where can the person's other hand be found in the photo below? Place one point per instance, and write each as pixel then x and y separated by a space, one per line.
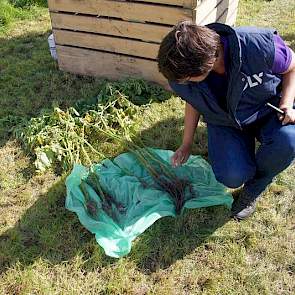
pixel 289 117
pixel 181 155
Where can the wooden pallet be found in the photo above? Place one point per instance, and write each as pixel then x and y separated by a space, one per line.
pixel 116 39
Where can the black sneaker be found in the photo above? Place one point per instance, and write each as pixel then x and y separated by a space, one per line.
pixel 243 206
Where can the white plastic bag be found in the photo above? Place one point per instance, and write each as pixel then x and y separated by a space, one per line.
pixel 52 47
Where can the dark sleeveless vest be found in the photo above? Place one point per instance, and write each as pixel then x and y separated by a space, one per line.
pixel 251 82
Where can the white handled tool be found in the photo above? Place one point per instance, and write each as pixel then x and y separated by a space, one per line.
pixel 275 108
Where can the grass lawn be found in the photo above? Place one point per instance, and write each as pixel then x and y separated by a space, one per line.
pixel 43 247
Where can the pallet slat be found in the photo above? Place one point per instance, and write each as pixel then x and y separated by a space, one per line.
pixel 106 43
pixel 124 10
pixel 215 11
pixel 145 32
pixel 120 38
pixel 231 13
pixel 107 65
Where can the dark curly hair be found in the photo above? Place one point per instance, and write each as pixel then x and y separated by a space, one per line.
pixel 188 50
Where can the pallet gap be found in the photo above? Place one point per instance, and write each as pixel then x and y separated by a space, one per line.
pixel 209 12
pixel 229 16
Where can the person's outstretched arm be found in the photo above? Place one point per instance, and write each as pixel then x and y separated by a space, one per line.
pixel 288 93
pixel 191 120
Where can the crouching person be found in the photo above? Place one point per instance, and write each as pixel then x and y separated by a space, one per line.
pixel 228 75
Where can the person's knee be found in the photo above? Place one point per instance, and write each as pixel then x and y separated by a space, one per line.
pixel 285 139
pixel 234 179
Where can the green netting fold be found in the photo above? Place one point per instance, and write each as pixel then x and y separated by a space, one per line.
pixel 123 179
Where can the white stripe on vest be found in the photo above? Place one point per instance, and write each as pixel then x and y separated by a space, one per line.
pixel 257 80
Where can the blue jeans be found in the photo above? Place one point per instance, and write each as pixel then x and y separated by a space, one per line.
pixel 236 162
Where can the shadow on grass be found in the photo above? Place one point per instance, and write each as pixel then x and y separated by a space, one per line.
pixel 171 239
pixel 167 134
pixel 48 231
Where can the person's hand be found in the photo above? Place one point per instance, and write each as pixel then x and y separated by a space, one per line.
pixel 181 155
pixel 289 117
